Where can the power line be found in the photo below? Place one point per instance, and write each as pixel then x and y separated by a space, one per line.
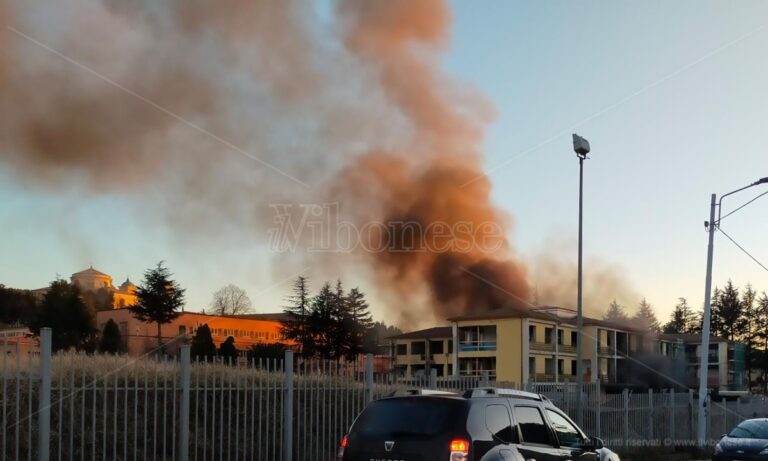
pixel 742 206
pixel 742 249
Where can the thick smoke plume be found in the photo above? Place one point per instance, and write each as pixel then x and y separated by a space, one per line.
pixel 220 110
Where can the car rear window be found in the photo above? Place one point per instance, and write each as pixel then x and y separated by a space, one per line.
pixel 750 430
pixel 420 416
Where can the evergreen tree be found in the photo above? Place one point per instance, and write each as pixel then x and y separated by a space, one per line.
pixel 682 320
pixel 203 347
pixel 322 323
pixel 159 299
pixel 343 322
pixel 729 313
pixel 749 324
pixel 63 310
pixel 298 308
pixel 376 336
pixel 715 320
pixel 646 318
pixel 111 339
pixel 17 307
pixel 362 321
pixel 228 351
pixel 762 336
pixel 616 313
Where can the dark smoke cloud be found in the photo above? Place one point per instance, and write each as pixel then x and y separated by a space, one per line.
pixel 357 108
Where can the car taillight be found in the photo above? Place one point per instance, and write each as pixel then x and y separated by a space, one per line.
pixel 459 450
pixel 342 446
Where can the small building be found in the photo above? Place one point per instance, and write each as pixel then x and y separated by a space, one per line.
pixel 727 361
pixel 418 351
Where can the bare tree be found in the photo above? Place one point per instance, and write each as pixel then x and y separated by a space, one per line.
pixel 230 300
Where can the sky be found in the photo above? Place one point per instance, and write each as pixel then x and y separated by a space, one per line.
pixel 671 96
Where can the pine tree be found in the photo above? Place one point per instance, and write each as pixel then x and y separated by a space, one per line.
pixel 159 299
pixel 203 347
pixel 228 351
pixel 762 335
pixel 715 320
pixel 729 312
pixel 682 319
pixel 322 323
pixel 111 340
pixel 362 321
pixel 749 324
pixel 616 313
pixel 646 318
pixel 72 322
pixel 297 328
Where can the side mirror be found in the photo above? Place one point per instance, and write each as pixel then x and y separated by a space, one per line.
pixel 593 443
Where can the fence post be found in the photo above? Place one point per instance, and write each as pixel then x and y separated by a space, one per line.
pixel 692 424
pixel 368 378
pixel 626 417
pixel 186 372
pixel 44 409
pixel 650 413
pixel 599 412
pixel 486 378
pixel 433 378
pixel 288 406
pixel 672 417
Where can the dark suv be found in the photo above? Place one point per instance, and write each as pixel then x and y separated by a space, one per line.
pixel 486 424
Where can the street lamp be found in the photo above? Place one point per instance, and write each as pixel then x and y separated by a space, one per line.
pixel 581 147
pixel 711 225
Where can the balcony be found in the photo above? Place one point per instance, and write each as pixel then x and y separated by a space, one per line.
pixel 567 349
pixel 477 346
pixel 544 378
pixel 546 347
pixel 605 350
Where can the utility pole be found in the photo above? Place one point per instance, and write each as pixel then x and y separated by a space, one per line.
pixel 704 365
pixel 581 147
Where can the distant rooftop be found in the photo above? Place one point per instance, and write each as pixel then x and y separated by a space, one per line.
pixel 690 338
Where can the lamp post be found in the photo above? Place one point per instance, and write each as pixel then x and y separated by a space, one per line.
pixel 712 224
pixel 581 147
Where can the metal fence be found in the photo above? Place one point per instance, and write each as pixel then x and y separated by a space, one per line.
pixel 72 406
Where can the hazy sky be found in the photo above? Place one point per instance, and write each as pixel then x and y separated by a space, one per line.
pixel 671 95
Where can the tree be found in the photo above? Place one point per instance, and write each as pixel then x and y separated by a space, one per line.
pixel 98 300
pixel 361 320
pixel 203 347
pixel 682 319
pixel 616 313
pixel 17 307
pixel 375 336
pixel 321 323
pixel 646 318
pixel 296 328
pixel 227 350
pixel 73 324
pixel 729 313
pixel 749 324
pixel 715 321
pixel 230 300
pixel 762 335
pixel 159 299
pixel 111 339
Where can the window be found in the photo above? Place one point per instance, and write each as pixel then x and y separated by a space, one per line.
pixel 560 367
pixel 409 417
pixel 532 333
pixel 402 349
pixel 532 427
pixel 436 347
pixel 548 335
pixel 450 347
pixel 182 330
pixel 574 367
pixel 574 338
pixel 567 434
pixel 498 423
pixel 560 334
pixel 417 347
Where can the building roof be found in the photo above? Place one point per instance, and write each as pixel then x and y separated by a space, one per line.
pixel 90 272
pixel 690 338
pixel 541 313
pixel 429 333
pixel 275 316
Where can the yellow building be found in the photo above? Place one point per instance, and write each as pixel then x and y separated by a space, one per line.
pixel 518 346
pixel 91 280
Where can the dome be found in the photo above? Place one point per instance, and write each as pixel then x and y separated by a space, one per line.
pixel 128 286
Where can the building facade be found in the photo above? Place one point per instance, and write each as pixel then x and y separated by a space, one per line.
pixel 517 346
pixel 140 337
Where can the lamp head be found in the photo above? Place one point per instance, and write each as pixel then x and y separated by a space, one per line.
pixel 762 180
pixel 580 145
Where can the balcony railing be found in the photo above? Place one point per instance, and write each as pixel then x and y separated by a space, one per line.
pixel 477 346
pixel 567 348
pixel 605 350
pixel 542 346
pixel 544 378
